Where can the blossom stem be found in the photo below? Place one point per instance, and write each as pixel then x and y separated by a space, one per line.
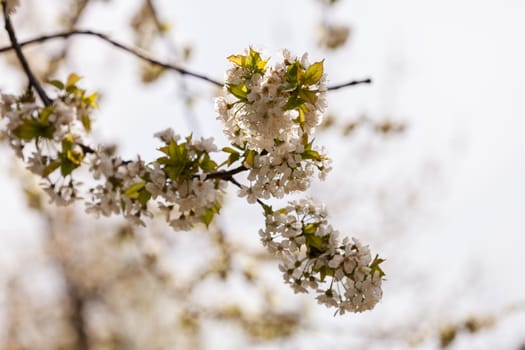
pixel 236 183
pixel 33 81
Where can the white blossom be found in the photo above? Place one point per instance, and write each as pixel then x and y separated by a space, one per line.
pixel 311 253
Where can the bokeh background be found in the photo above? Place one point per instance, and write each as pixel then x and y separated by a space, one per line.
pixel 427 168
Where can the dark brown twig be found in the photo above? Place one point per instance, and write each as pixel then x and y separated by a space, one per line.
pixel 33 81
pixel 144 57
pixel 350 83
pixel 226 175
pixel 237 183
pixel 103 37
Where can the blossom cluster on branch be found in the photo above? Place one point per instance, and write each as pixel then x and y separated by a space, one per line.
pixel 269 113
pixel 311 252
pixel 273 112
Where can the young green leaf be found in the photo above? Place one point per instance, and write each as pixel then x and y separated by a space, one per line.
pixel 374 266
pixel 72 79
pixel 210 213
pixel 308 96
pixel 144 196
pixel 50 168
pixel 86 122
pixel 249 157
pixel 239 60
pixel 314 73
pixel 238 90
pixel 133 190
pixel 207 164
pixel 56 83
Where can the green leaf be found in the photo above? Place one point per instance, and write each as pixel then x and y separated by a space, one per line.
pixel 163 160
pixel 239 60
pixel 289 86
pixel 238 90
pixel 72 79
pixel 31 129
pixel 249 157
pixel 67 143
pixel 208 165
pixel 133 190
pixel 301 118
pixel 144 196
pixel 27 131
pixel 267 209
pixel 173 172
pixel 293 102
pixel 45 113
pixel 56 83
pixel 50 168
pixel 282 211
pixel 314 73
pixel 229 150
pixel 325 271
pixel 233 158
pixel 172 149
pixel 210 213
pixel 311 154
pixel 256 62
pixel 308 96
pixel 67 167
pixel 86 122
pixel 294 73
pixel 70 159
pixel 252 61
pixel 316 246
pixel 310 229
pixel 74 157
pixel 91 100
pixel 374 266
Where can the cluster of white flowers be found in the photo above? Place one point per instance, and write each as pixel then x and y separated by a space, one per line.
pixel 50 138
pixel 270 115
pixel 266 106
pixel 273 175
pixel 311 253
pixel 173 181
pixel 273 112
pixel 53 138
pixel 25 121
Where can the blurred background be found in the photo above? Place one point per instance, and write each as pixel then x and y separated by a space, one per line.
pixel 427 169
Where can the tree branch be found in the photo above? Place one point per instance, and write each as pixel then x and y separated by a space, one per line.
pixel 350 83
pixel 33 81
pixel 128 49
pixel 226 175
pixel 144 57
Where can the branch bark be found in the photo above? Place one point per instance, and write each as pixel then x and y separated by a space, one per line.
pixel 146 58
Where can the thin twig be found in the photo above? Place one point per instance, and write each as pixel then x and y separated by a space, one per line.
pixel 236 183
pixel 144 57
pixel 350 83
pixel 226 174
pixel 33 81
pixel 103 37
